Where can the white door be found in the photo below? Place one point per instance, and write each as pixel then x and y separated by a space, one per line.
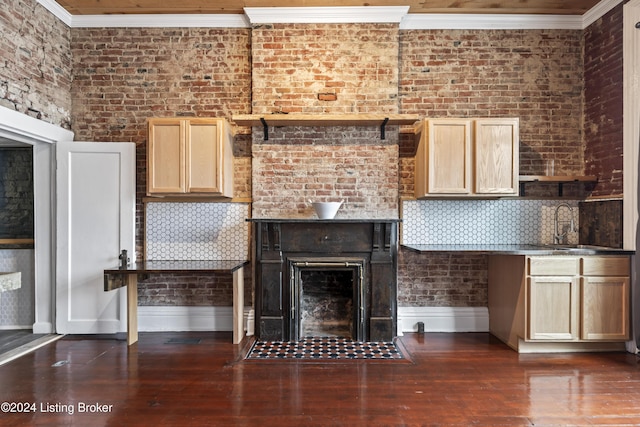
pixel 95 220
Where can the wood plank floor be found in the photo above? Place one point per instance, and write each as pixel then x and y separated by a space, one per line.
pixel 450 380
pixel 14 338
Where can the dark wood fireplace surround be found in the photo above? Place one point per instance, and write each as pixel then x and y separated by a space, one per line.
pixel 284 245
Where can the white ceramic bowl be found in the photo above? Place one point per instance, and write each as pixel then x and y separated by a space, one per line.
pixel 326 210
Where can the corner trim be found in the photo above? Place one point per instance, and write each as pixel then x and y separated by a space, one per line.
pixel 57 10
pixel 598 11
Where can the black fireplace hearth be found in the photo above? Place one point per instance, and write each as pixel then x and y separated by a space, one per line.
pixel 327 277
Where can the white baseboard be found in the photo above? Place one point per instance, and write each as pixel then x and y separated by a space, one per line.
pixel 443 319
pixel 180 318
pixel 43 328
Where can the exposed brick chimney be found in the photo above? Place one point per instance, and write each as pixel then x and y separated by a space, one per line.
pixel 334 69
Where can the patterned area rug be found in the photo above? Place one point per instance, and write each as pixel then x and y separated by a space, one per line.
pixel 324 348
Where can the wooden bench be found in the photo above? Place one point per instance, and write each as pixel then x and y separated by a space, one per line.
pixel 119 277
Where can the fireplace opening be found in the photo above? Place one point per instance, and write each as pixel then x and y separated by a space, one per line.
pixel 326 303
pixel 326 298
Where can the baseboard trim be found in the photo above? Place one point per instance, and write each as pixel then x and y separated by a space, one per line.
pixel 443 319
pixel 182 318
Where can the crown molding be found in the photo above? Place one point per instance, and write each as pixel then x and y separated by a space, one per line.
pixel 57 10
pixel 160 21
pixel 598 11
pixel 453 21
pixel 365 14
pixel 319 15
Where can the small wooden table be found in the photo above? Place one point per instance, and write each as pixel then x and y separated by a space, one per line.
pixel 118 277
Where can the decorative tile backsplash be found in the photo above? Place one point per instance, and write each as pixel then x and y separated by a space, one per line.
pixel 17 307
pixel 472 222
pixel 197 231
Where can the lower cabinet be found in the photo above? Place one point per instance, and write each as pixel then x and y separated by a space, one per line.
pixel 559 303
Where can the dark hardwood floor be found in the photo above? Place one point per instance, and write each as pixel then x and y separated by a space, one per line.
pixel 13 338
pixel 450 380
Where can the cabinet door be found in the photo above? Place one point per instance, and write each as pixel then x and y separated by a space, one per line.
pixel 552 305
pixel 203 157
pixel 165 156
pixel 605 308
pixel 448 152
pixel 496 147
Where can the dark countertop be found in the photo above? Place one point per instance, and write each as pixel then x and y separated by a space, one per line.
pixel 325 221
pixel 520 249
pixel 178 267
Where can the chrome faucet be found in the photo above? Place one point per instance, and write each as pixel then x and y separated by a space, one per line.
pixel 558 236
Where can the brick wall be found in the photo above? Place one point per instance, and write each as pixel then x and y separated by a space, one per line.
pixel 324 164
pixel 534 75
pixel 123 76
pixel 293 66
pixel 445 279
pixel 35 70
pixel 187 289
pixel 531 74
pixel 603 102
pixel 16 193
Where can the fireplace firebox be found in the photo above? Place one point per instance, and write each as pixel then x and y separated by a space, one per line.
pixel 326 277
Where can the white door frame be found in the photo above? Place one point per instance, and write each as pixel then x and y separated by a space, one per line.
pixel 42 136
pixel 631 150
pixel 631 122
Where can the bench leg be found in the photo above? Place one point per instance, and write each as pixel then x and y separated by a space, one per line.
pixel 132 309
pixel 238 305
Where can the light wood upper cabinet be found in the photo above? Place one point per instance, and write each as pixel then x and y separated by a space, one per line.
pixel 497 151
pixel 467 158
pixel 443 161
pixel 189 157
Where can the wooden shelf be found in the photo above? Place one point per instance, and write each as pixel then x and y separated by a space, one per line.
pixel 279 120
pixel 560 180
pixel 324 119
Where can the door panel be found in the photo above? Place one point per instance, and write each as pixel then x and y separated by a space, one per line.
pixel 552 308
pixel 95 221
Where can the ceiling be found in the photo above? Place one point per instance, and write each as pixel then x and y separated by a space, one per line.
pixel 111 7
